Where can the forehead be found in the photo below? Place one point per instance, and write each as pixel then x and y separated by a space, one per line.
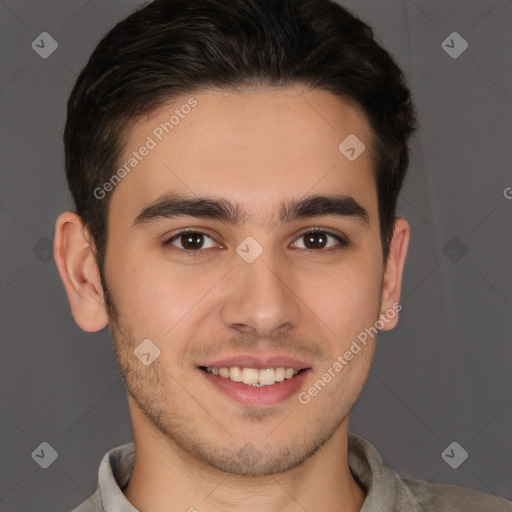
pixel 253 147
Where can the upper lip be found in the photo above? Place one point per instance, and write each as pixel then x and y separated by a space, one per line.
pixel 258 362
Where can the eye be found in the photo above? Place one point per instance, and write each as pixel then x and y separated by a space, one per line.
pixel 318 237
pixel 190 240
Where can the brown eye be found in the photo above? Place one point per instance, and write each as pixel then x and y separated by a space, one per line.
pixel 189 240
pixel 318 240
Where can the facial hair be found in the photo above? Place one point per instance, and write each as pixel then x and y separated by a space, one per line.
pixel 159 396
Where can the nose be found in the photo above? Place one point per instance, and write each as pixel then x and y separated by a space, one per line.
pixel 261 297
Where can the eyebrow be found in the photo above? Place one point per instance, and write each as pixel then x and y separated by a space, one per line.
pixel 175 205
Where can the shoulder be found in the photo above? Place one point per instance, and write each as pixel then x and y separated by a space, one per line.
pixel 389 490
pixel 452 498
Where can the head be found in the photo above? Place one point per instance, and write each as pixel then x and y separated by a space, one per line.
pixel 243 108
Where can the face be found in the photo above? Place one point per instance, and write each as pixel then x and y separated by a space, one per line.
pixel 250 286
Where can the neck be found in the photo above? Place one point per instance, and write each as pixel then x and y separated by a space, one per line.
pixel 166 478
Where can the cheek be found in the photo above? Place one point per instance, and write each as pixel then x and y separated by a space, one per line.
pixel 141 293
pixel 156 298
pixel 347 300
pixel 153 295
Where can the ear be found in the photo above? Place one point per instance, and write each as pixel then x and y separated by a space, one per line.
pixel 393 271
pixel 74 253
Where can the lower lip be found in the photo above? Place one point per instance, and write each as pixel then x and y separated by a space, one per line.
pixel 254 396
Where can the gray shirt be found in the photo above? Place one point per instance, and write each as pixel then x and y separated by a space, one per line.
pixel 387 491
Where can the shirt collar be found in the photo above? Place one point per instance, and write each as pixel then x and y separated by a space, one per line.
pixel 113 476
pixel 385 489
pixel 383 486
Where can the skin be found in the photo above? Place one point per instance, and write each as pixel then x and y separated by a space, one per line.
pixel 257 148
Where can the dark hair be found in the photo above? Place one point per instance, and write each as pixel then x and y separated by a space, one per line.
pixel 174 47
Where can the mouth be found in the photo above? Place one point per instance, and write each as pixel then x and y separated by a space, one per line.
pixel 253 376
pixel 255 381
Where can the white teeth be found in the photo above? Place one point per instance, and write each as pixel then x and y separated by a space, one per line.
pixel 253 376
pixel 267 377
pixel 279 374
pixel 235 374
pixel 249 376
pixel 288 373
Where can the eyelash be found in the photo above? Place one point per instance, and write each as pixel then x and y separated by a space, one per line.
pixel 194 253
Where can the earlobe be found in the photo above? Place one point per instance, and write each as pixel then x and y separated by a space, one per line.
pixel 393 272
pixel 76 263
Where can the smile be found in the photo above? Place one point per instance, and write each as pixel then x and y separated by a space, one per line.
pixel 253 376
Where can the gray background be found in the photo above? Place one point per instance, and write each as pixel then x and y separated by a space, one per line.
pixel 443 375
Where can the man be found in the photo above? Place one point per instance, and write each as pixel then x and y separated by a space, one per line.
pixel 235 168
